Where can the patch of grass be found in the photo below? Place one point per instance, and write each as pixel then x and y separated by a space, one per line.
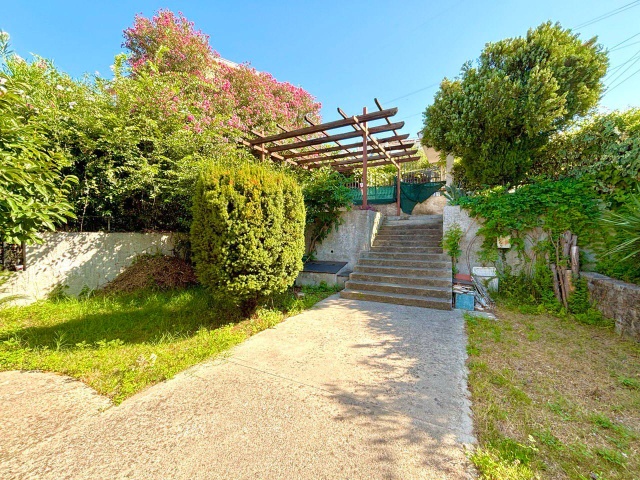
pixel 121 343
pixel 493 466
pixel 553 397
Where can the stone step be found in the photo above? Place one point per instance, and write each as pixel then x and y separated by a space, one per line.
pixel 397 279
pixel 398 299
pixel 385 254
pixel 406 249
pixel 411 230
pixel 414 271
pixel 409 236
pixel 402 289
pixel 394 262
pixel 378 242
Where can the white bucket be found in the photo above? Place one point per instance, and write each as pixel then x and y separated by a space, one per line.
pixel 488 276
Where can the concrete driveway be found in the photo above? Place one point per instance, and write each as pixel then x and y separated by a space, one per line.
pixel 347 390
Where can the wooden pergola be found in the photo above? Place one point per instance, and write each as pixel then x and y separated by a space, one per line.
pixel 322 145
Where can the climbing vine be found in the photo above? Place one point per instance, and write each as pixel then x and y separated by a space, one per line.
pixel 565 211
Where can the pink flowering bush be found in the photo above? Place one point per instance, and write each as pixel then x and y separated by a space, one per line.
pixel 252 100
pixel 138 141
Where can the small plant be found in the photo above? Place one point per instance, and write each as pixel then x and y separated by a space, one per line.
pixel 453 194
pixel 451 244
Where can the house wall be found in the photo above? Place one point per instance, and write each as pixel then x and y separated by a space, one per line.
pixel 79 261
pixel 617 300
pixel 355 235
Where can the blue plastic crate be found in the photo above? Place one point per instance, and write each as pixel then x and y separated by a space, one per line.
pixel 465 301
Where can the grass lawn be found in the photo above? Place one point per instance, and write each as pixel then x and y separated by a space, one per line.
pixel 553 398
pixel 120 344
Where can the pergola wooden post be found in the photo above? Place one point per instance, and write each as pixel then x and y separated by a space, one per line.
pixel 365 133
pixel 398 190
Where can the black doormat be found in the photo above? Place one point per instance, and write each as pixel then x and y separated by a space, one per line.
pixel 319 266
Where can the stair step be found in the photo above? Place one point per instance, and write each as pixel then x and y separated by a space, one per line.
pixel 413 271
pixel 398 299
pixel 419 290
pixel 405 249
pixel 409 236
pixel 401 279
pixel 401 242
pixel 394 262
pixel 419 229
pixel 385 255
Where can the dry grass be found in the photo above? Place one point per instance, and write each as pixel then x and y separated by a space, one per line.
pixel 554 398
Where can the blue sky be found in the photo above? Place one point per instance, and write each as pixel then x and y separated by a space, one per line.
pixel 345 53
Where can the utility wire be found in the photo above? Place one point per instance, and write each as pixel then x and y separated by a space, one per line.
pixel 414 92
pixel 608 14
pixel 618 67
pixel 622 81
pixel 636 60
pixel 625 46
pixel 624 41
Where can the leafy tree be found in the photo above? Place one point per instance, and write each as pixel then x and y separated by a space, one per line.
pixel 604 148
pixel 32 190
pixel 138 141
pixel 247 234
pixel 500 113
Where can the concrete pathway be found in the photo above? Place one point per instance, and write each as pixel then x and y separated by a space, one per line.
pixel 347 390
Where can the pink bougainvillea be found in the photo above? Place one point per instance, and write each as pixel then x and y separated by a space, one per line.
pixel 242 97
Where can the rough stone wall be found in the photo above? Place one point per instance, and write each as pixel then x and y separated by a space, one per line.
pixel 617 300
pixel 79 261
pixel 355 235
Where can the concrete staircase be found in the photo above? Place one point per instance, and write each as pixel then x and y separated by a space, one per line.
pixel 405 266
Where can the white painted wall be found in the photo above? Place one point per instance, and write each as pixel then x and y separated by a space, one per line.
pixel 80 260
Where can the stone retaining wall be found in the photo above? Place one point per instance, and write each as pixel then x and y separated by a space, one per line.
pixel 355 235
pixel 617 300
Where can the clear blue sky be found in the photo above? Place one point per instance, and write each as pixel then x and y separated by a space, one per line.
pixel 345 53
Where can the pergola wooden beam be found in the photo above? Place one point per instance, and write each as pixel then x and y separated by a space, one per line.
pixel 331 138
pixel 349 168
pixel 391 157
pixel 348 146
pixel 323 127
pixel 310 159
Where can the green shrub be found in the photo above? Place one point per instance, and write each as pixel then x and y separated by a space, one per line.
pixel 247 235
pixel 326 195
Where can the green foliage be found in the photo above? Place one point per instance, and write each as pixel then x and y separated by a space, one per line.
pixel 453 194
pixel 451 244
pixel 123 343
pixel 326 196
pixel 553 206
pixel 605 148
pixel 32 188
pixel 530 292
pixel 499 114
pixel 579 298
pixel 247 235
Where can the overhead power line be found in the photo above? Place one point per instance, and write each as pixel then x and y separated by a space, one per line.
pixel 635 58
pixel 414 92
pixel 608 14
pixel 622 81
pixel 625 46
pixel 624 41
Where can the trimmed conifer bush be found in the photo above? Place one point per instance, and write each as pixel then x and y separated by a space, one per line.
pixel 247 232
